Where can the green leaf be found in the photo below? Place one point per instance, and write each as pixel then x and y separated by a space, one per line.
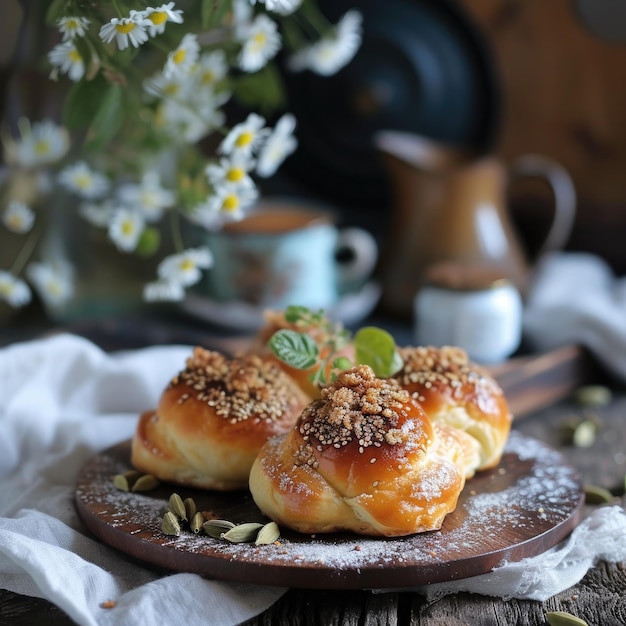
pixel 296 349
pixel 376 347
pixel 108 119
pixel 295 313
pixel 83 101
pixel 149 242
pixel 342 363
pixel 262 90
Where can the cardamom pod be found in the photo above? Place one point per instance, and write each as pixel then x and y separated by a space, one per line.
pixel 242 532
pixel 190 508
pixel 147 482
pixel 268 534
pixel 597 495
pixel 196 522
pixel 560 618
pixel 216 527
pixel 593 395
pixel 170 525
pixel 584 434
pixel 121 482
pixel 177 507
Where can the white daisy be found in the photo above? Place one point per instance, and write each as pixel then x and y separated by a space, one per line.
pixel 261 42
pixel 185 268
pixel 53 281
pixel 72 27
pixel 125 229
pixel 42 143
pixel 159 17
pixel 13 291
pixel 149 196
pixel 163 291
pixel 328 55
pixel 232 171
pixel 278 146
pixel 283 7
pixel 228 203
pixel 182 60
pixel 125 30
pixel 80 179
pixel 189 124
pixel 176 87
pixel 66 58
pixel 210 69
pixel 244 137
pixel 18 218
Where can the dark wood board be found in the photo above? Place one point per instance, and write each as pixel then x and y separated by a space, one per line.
pixel 526 505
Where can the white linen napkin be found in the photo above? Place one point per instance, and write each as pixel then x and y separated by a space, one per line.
pixel 575 298
pixel 62 400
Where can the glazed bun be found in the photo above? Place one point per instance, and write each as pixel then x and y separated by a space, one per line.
pixel 454 391
pixel 213 418
pixel 364 458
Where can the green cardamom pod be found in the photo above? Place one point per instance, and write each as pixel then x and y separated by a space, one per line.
pixel 216 527
pixel 584 434
pixel 268 534
pixel 597 495
pixel 243 532
pixel 177 507
pixel 190 508
pixel 196 522
pixel 121 482
pixel 147 482
pixel 593 395
pixel 170 525
pixel 560 618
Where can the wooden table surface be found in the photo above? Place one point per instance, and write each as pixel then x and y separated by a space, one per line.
pixel 599 598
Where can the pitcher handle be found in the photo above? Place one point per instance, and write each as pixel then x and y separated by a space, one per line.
pixel 362 251
pixel 564 193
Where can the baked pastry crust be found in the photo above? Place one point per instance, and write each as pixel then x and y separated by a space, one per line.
pixel 455 391
pixel 364 458
pixel 213 418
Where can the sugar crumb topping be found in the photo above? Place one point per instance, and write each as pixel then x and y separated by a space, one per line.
pixel 239 389
pixel 357 406
pixel 449 366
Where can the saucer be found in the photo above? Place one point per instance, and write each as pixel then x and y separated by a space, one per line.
pixel 351 308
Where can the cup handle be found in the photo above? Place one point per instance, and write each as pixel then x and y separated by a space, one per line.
pixel 563 190
pixel 356 254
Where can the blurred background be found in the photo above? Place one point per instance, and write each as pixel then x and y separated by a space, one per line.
pixel 493 77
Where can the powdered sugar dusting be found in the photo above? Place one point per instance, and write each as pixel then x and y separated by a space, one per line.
pixel 532 493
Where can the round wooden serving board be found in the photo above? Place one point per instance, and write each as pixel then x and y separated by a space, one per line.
pixel 526 505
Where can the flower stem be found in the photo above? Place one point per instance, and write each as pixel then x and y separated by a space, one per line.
pixel 26 252
pixel 177 236
pixel 117 9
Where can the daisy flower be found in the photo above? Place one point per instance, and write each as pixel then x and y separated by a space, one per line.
pixel 53 281
pixel 18 218
pixel 228 203
pixel 261 42
pixel 178 86
pixel 149 196
pixel 13 291
pixel 159 17
pixel 125 30
pixel 125 229
pixel 231 171
pixel 181 60
pixel 191 123
pixel 72 27
pixel 42 143
pixel 244 137
pixel 328 55
pixel 163 291
pixel 282 7
pixel 278 146
pixel 66 58
pixel 210 69
pixel 184 268
pixel 79 178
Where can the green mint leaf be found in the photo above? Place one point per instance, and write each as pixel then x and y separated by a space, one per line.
pixel 294 314
pixel 296 349
pixel 376 347
pixel 342 363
